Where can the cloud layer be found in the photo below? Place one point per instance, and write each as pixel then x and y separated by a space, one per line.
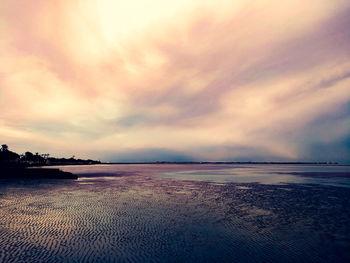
pixel 158 80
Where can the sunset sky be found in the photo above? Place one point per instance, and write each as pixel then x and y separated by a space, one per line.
pixel 148 80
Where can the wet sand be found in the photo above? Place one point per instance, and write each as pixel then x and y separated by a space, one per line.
pixel 135 216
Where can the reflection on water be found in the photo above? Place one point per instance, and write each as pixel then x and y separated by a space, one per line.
pixel 128 213
pixel 269 174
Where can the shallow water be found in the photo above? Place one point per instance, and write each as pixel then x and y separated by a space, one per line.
pixel 269 174
pixel 128 213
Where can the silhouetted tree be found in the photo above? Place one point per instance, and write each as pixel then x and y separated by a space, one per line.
pixel 8 158
pixel 4 148
pixel 7 155
pixel 28 156
pixel 45 155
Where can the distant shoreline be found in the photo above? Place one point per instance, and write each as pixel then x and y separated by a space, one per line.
pixel 265 163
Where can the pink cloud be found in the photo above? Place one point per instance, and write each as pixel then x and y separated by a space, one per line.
pixel 200 79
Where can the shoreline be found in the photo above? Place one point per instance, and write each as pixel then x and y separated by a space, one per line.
pixel 35 173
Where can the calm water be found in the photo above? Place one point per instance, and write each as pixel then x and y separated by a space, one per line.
pixel 146 213
pixel 270 174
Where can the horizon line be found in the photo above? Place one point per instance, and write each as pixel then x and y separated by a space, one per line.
pixel 225 162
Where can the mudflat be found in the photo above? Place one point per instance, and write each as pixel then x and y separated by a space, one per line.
pixel 130 213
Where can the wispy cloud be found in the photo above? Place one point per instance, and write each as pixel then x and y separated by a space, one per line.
pixel 211 80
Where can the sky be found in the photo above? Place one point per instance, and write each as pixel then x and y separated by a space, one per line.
pixel 164 80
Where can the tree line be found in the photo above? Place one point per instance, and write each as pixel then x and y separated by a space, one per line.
pixel 31 159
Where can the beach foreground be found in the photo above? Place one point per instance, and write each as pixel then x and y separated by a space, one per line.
pixel 132 213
